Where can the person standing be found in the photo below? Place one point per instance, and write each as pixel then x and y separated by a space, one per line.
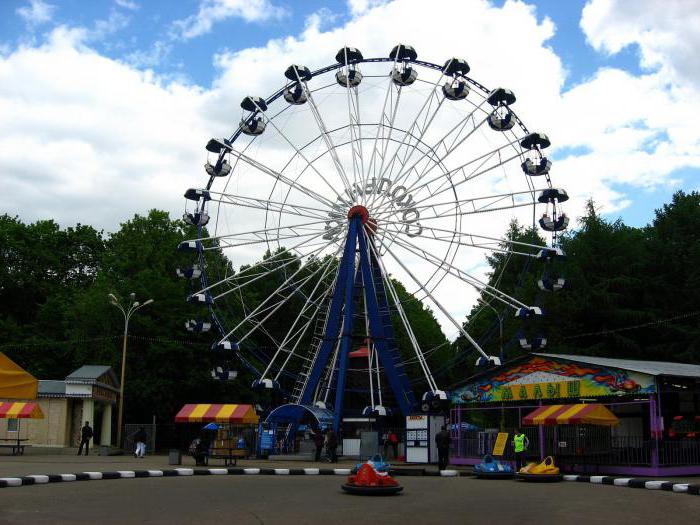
pixel 318 441
pixel 85 437
pixel 140 439
pixel 520 445
pixel 443 440
pixel 392 440
pixel 332 445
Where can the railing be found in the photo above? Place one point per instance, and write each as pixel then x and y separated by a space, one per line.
pixel 679 453
pixel 591 446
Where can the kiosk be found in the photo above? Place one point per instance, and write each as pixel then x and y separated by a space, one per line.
pixel 420 437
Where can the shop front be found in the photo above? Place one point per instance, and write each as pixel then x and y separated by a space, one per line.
pixel 593 414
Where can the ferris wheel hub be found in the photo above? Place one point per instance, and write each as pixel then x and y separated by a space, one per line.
pixel 359 210
pixel 363 213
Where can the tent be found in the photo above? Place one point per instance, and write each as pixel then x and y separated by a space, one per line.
pixel 15 382
pixel 579 414
pixel 217 413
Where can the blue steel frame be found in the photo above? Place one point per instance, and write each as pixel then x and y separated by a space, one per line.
pixel 379 325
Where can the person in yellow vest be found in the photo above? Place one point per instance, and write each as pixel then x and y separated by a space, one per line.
pixel 520 445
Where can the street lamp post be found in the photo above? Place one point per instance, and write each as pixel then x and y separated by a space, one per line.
pixel 127 313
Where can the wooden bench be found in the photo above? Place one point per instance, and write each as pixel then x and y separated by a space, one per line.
pixel 229 455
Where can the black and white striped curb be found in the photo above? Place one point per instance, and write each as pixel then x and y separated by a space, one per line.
pixel 40 479
pixel 638 483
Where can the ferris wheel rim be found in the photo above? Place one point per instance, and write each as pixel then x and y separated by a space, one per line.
pixel 276 95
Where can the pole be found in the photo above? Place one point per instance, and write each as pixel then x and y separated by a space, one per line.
pixel 121 384
pixel 134 305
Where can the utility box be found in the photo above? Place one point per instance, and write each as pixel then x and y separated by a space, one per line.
pixel 174 457
pixel 420 437
pixel 369 445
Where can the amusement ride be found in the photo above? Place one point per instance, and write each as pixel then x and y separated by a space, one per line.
pixel 345 180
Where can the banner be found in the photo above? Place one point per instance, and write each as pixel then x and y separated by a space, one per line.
pixel 549 378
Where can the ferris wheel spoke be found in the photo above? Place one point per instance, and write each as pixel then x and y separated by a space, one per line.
pixel 386 122
pixel 307 305
pixel 313 226
pixel 447 180
pixel 473 240
pixel 324 133
pixel 432 96
pixel 282 178
pixel 443 148
pixel 402 314
pixel 310 304
pixel 469 206
pixel 457 325
pixel 289 282
pixel 354 120
pixel 416 131
pixel 271 260
pixel 268 205
pixel 461 275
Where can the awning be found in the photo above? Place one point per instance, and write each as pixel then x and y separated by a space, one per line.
pixel 19 410
pixel 581 414
pixel 206 413
pixel 15 382
pixel 293 412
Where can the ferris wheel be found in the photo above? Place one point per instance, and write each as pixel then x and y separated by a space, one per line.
pixel 345 181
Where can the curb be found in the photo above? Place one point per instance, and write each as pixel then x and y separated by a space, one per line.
pixel 41 479
pixel 638 483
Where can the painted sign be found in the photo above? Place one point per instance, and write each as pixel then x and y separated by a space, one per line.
pixel 400 204
pixel 499 447
pixel 548 378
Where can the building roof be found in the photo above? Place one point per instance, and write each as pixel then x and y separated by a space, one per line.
pixel 88 372
pixel 654 368
pixel 52 388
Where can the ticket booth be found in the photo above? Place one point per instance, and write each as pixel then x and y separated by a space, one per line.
pixel 420 437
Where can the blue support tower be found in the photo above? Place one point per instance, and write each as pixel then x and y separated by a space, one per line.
pixel 379 316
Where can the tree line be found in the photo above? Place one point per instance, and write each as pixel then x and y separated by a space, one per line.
pixel 632 293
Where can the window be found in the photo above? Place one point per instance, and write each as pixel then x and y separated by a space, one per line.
pixel 12 425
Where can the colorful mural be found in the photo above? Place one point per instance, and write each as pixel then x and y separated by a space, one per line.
pixel 547 378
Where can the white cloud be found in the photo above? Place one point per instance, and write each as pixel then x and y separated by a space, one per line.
pixel 95 140
pixel 360 7
pixel 213 11
pixel 149 58
pixel 127 4
pixel 667 33
pixel 36 13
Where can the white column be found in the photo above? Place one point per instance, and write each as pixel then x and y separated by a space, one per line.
pixel 106 430
pixel 89 415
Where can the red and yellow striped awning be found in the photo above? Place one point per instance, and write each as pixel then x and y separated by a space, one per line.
pixel 18 410
pixel 581 414
pixel 216 413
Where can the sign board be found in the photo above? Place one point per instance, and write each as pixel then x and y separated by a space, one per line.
pixel 499 446
pixel 541 378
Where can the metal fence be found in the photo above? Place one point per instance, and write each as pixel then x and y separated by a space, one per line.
pixel 582 444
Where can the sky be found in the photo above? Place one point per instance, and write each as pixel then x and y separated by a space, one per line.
pixel 105 105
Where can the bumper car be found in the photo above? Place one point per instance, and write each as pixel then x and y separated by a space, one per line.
pixel 377 462
pixel 369 482
pixel 491 468
pixel 546 471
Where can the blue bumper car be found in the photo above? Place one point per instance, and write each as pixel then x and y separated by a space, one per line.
pixel 491 468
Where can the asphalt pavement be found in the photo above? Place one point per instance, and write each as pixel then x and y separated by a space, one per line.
pixel 319 499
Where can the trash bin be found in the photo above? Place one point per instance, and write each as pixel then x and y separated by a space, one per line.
pixel 174 457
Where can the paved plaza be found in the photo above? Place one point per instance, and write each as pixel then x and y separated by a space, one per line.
pixel 315 499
